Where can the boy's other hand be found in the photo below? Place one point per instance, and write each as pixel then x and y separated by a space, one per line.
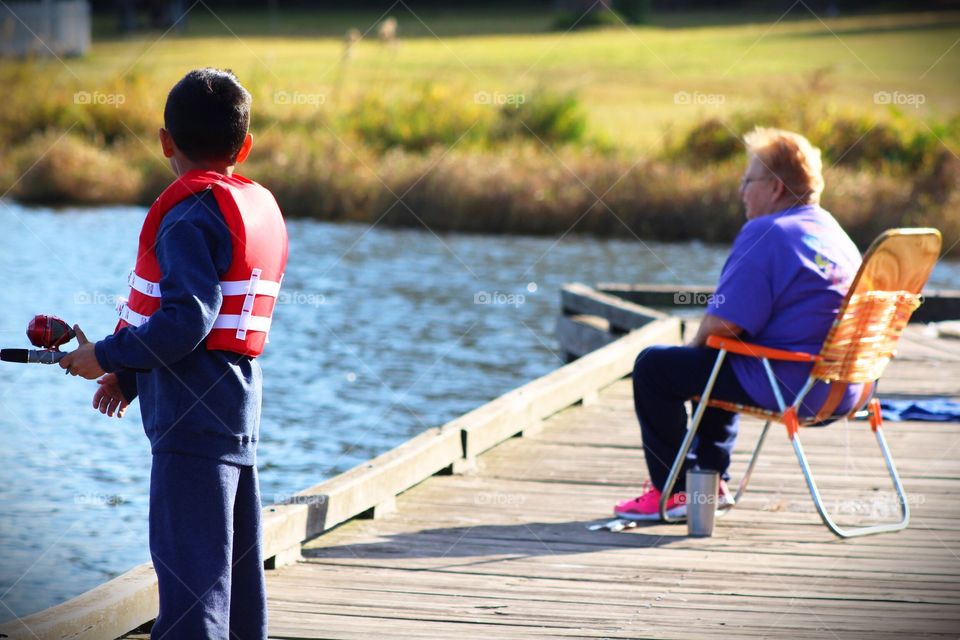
pixel 82 362
pixel 109 398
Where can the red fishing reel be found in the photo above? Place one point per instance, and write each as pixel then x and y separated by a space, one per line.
pixel 46 332
pixel 49 332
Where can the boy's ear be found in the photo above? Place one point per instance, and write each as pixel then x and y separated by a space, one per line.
pixel 244 149
pixel 166 143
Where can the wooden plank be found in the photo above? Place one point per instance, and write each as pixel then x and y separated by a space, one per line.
pixel 949 329
pixel 372 483
pixel 321 507
pixel 579 335
pixel 448 583
pixel 623 316
pixel 391 587
pixel 107 611
pixel 482 605
pixel 663 296
pixel 517 410
pixel 402 589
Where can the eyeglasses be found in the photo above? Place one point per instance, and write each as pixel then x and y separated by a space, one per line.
pixel 745 180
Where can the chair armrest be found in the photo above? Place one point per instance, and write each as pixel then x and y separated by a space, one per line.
pixel 734 345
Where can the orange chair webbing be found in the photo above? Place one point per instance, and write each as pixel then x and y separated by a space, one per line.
pixel 864 338
pixel 834 397
pixel 837 391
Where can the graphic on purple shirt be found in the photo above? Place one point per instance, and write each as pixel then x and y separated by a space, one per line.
pixel 783 282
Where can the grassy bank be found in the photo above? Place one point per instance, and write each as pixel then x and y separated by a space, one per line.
pixel 618 132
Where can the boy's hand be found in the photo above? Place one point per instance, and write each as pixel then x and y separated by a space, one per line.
pixel 83 361
pixel 109 398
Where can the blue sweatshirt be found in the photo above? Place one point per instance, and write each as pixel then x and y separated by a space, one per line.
pixel 193 401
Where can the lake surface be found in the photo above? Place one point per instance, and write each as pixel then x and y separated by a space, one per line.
pixel 382 333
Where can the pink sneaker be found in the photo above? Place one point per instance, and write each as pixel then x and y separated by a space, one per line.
pixel 647 505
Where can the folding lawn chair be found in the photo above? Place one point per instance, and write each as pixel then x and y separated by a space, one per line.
pixel 863 338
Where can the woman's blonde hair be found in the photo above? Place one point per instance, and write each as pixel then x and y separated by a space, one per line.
pixel 791 159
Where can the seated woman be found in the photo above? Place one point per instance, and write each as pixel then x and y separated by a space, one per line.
pixel 782 285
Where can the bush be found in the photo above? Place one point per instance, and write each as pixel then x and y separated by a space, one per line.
pixel 37 106
pixel 59 169
pixel 866 142
pixel 431 116
pixel 893 144
pixel 708 142
pixel 546 115
pixel 125 107
pixel 315 174
pixel 144 157
pixel 866 204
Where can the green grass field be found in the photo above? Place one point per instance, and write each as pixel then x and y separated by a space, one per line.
pixel 627 78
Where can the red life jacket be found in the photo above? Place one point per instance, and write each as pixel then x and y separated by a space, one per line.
pixel 251 283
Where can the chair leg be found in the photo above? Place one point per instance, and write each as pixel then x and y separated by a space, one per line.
pixel 876 421
pixel 753 461
pixel 688 439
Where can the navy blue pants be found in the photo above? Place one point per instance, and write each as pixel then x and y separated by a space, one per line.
pixel 664 378
pixel 205 537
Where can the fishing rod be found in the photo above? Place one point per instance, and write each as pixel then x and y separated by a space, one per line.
pixel 47 332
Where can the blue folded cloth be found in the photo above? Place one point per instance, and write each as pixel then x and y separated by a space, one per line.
pixel 927 410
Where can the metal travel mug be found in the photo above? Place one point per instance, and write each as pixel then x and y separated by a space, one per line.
pixel 702 487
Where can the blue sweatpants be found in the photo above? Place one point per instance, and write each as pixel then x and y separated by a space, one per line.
pixel 664 378
pixel 205 535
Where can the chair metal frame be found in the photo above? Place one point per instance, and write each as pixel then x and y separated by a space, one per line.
pixel 857 349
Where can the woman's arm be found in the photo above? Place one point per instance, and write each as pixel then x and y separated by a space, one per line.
pixel 712 325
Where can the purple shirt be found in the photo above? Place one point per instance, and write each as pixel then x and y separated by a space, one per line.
pixel 783 283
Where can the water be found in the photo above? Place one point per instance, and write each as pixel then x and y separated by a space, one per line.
pixel 380 337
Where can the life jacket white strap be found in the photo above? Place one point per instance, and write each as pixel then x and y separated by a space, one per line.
pixel 128 315
pixel 143 285
pixel 253 323
pixel 227 287
pixel 242 287
pixel 223 321
pixel 247 309
pixel 242 322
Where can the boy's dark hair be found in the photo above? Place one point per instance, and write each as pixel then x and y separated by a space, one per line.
pixel 208 114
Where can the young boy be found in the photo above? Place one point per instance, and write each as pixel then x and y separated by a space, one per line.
pixel 212 252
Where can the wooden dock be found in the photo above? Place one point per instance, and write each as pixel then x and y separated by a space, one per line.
pixel 503 550
pixel 470 531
